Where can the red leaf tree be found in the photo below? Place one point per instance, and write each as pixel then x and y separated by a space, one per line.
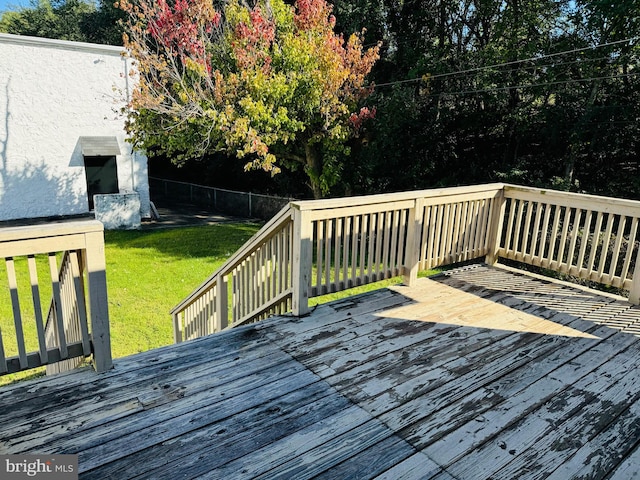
pixel 271 83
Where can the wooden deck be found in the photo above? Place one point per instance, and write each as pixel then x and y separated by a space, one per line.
pixel 480 373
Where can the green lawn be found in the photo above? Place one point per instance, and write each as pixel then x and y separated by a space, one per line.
pixel 148 273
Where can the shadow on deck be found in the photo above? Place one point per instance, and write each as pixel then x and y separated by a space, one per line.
pixel 479 373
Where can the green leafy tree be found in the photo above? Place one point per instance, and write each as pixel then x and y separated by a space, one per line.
pixel 60 20
pixel 75 20
pixel 272 84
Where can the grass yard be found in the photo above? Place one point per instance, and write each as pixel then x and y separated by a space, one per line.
pixel 148 273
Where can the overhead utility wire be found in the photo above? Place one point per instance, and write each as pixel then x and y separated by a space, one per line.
pixel 543 66
pixel 559 82
pixel 476 69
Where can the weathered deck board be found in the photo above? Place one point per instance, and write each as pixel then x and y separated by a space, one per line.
pixel 479 373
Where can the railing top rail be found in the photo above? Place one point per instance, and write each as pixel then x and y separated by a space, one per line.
pixel 393 197
pixel 266 232
pixel 13 233
pixel 606 204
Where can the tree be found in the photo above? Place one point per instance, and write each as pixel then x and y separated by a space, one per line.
pixel 59 20
pixel 272 84
pixel 75 20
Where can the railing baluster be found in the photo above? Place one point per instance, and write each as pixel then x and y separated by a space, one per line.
pixel 534 232
pixel 282 261
pixel 616 249
pixel 271 268
pixel 508 244
pixel 17 316
pixel 566 221
pixel 345 252
pixel 586 232
pixel 630 249
pixel 517 245
pixel 336 255
pixel 364 237
pixel 319 229
pixel 462 252
pixel 445 242
pixel 481 240
pixel 379 249
pixel 552 239
pixel 395 231
pixel 57 306
pixel 355 234
pixel 403 231
pixel 37 309
pixel 526 233
pixel 573 236
pixel 329 234
pixel 371 250
pixel 437 233
pixel 544 235
pixel 264 285
pixel 81 306
pixel 594 243
pixel 605 248
pixel 235 314
pixel 425 242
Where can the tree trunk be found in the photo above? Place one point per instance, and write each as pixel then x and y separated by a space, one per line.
pixel 313 167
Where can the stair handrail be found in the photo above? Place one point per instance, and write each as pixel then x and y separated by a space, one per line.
pixel 219 300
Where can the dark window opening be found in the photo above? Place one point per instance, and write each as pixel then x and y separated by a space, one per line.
pixel 102 176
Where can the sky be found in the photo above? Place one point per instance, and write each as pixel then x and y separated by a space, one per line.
pixel 8 4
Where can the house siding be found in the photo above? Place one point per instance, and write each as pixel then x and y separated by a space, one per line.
pixel 51 93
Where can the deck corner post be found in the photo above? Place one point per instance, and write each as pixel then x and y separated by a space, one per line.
pixel 494 229
pixel 222 304
pixel 98 303
pixel 301 275
pixel 634 291
pixel 177 327
pixel 412 255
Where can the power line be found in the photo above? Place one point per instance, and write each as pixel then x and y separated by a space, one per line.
pixel 544 66
pixel 560 82
pixel 514 62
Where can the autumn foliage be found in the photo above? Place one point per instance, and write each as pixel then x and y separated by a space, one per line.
pixel 270 83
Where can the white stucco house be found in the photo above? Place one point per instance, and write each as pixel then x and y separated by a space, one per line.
pixel 62 137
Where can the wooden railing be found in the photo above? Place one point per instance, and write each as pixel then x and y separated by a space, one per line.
pixel 68 331
pixel 585 236
pixel 67 318
pixel 254 283
pixel 316 247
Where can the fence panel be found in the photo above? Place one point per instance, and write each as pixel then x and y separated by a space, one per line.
pixel 230 202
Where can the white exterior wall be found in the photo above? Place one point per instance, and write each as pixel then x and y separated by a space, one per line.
pixel 51 93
